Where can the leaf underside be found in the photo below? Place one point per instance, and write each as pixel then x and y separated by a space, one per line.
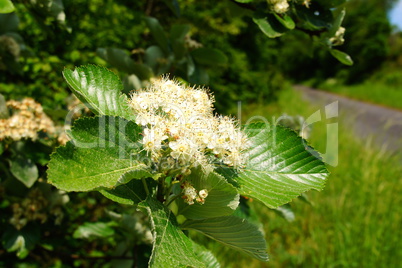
pixel 234 232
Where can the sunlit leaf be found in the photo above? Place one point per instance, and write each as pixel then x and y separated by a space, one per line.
pixel 6 6
pixel 280 166
pixel 103 153
pixel 100 89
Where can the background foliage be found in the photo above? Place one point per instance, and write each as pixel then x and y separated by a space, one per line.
pixel 256 69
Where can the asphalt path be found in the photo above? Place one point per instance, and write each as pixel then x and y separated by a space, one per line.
pixel 382 124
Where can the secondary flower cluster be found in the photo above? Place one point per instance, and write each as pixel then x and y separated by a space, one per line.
pixel 180 128
pixel 190 194
pixel 27 120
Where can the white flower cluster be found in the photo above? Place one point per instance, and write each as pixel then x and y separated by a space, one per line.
pixel 27 120
pixel 279 6
pixel 180 128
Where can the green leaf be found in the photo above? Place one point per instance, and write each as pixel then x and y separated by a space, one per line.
pixel 341 56
pixel 21 241
pixel 209 56
pixel 286 21
pixel 9 23
pixel 198 74
pixel 173 6
pixel 177 39
pixel 131 82
pixel 285 212
pixel 155 58
pixel 130 193
pixel 121 60
pixel 103 153
pixel 234 232
pixel 93 230
pixel 171 248
pixel 179 31
pixel 337 23
pixel 315 18
pixel 158 33
pixel 267 25
pixel 24 170
pixel 222 198
pixel 6 6
pixel 206 256
pixel 279 166
pixel 100 89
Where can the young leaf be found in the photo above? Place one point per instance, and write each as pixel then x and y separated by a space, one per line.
pixel 222 198
pixel 233 232
pixel 104 152
pixel 279 167
pixel 341 56
pixel 171 248
pixel 100 89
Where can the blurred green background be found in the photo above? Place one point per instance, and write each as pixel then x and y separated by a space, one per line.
pixel 353 222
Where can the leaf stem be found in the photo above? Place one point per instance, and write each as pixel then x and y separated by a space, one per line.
pixel 145 186
pixel 172 199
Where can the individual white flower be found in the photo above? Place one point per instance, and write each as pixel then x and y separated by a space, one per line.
pixel 183 149
pixel 203 193
pixel 152 140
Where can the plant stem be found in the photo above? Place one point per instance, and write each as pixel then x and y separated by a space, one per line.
pixel 145 186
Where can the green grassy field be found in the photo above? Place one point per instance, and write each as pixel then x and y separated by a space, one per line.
pixel 354 222
pixel 373 92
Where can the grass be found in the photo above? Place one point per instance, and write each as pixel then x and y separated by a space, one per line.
pixel 354 222
pixel 371 91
